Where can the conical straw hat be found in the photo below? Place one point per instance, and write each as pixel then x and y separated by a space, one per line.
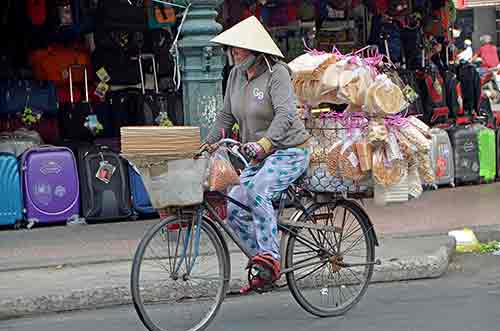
pixel 249 34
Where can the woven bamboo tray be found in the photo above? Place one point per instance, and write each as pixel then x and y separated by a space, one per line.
pixel 173 142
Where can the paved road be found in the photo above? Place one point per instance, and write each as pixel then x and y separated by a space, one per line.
pixel 467 299
pixel 438 211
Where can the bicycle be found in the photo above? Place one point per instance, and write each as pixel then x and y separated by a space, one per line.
pixel 314 250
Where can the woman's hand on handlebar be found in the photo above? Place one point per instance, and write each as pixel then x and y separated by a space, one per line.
pixel 210 148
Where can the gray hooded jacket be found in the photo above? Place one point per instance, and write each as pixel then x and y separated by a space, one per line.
pixel 264 107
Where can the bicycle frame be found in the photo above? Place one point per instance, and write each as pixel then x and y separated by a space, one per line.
pixel 236 239
pixel 291 192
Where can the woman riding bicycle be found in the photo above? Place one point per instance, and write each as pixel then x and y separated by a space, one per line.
pixel 260 98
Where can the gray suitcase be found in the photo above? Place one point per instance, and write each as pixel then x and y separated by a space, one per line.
pixel 466 155
pixel 442 158
pixel 19 141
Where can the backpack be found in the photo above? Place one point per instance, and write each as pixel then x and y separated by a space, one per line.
pixel 454 98
pixel 470 82
pixel 434 97
pixel 36 11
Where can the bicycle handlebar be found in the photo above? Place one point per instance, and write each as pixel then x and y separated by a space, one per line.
pixel 233 147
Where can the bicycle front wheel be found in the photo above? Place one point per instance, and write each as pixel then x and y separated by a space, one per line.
pixel 332 259
pixel 180 275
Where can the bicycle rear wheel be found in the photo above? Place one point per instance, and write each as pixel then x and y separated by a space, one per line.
pixel 176 284
pixel 333 258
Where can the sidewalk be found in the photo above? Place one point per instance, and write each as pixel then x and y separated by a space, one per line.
pixel 76 267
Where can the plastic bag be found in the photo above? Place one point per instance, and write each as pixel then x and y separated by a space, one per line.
pixel 384 172
pixel 311 92
pixel 354 92
pixel 377 133
pixel 384 97
pixel 420 126
pixel 466 240
pixel 311 64
pixel 222 173
pixel 394 193
pixel 365 154
pixel 392 148
pixel 415 189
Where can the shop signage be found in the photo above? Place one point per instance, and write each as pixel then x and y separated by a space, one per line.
pixel 465 4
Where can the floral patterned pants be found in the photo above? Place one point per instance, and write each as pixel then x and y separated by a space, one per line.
pixel 259 185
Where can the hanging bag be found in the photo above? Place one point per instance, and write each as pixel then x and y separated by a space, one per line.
pixel 125 15
pixel 160 15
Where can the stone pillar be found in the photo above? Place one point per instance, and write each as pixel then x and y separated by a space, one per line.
pixel 202 64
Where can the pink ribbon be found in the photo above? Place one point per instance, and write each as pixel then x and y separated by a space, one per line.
pixel 395 121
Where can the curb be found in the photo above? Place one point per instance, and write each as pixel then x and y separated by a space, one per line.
pixel 419 267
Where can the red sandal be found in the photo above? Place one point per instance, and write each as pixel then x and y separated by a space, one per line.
pixel 268 262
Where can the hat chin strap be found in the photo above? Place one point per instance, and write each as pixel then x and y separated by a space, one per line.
pixel 268 64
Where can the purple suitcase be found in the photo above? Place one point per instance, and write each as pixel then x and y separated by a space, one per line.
pixel 50 182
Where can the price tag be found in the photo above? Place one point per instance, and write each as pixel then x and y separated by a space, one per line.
pixel 105 172
pixel 103 75
pixel 101 90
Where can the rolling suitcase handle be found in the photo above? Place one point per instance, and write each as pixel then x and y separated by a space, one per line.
pixel 85 82
pixel 141 72
pixel 385 37
pixel 152 106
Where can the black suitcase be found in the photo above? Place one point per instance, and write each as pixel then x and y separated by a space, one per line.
pixel 122 15
pixel 78 121
pixel 466 154
pixel 155 102
pixel 123 105
pixel 104 185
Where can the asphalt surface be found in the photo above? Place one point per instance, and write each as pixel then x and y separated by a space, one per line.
pixel 436 212
pixel 466 299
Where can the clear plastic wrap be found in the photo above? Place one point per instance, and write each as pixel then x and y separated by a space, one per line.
pixel 384 97
pixel 222 172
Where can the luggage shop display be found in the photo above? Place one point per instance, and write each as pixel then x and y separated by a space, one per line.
pixel 454 98
pixel 122 104
pixel 159 15
pixel 433 92
pixel 487 152
pixel 11 206
pixel 125 15
pixel 17 95
pixel 52 63
pixel 442 158
pixel 466 154
pixel 78 120
pixel 153 103
pixel 51 185
pixel 63 19
pixel 471 87
pixel 47 127
pixel 104 185
pixel 140 197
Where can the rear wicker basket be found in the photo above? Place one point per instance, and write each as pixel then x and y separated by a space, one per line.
pixel 325 132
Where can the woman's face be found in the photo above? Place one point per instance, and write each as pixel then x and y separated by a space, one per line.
pixel 239 55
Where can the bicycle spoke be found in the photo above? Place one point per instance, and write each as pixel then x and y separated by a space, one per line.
pixel 340 289
pixel 198 281
pixel 311 272
pixel 355 243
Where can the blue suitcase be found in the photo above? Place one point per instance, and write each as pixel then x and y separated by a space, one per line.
pixel 11 204
pixel 140 198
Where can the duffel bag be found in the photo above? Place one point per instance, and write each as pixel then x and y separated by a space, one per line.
pixel 53 62
pixel 16 95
